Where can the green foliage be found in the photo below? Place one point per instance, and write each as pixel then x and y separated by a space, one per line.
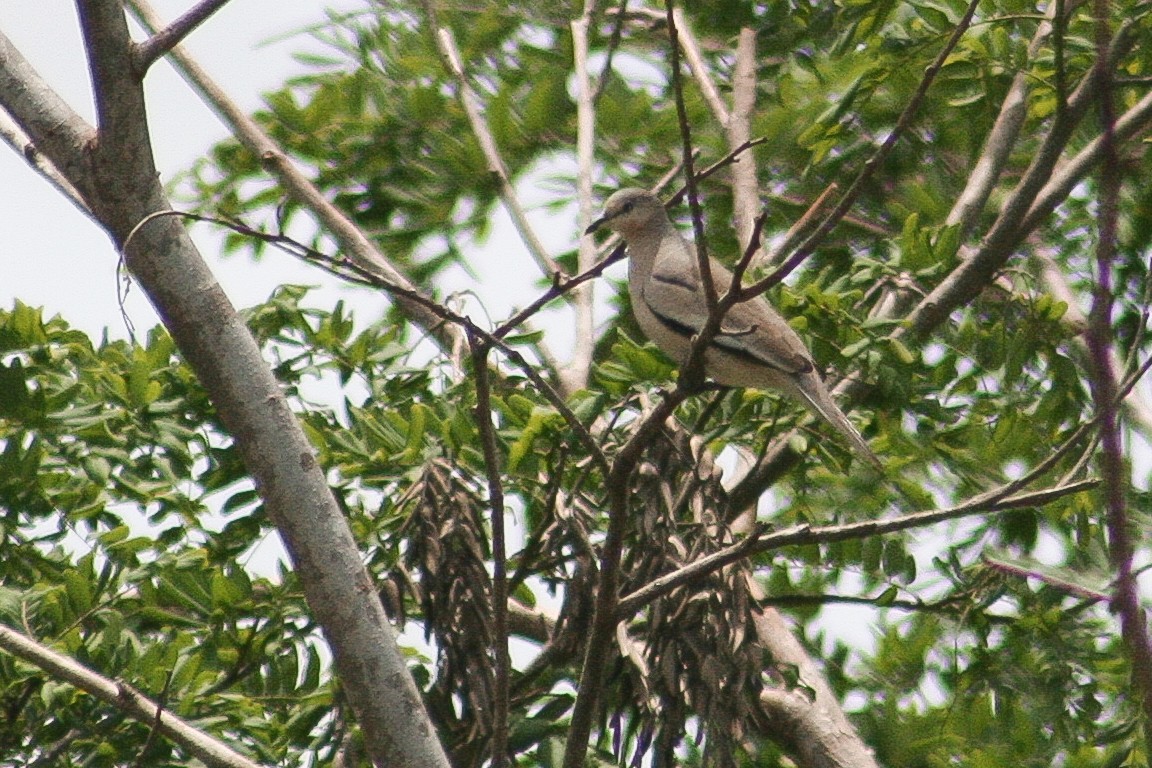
pixel 130 535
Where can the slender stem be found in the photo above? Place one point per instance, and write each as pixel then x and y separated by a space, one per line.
pixel 146 53
pixel 688 160
pixel 576 375
pixel 759 542
pixel 1121 545
pixel 604 613
pixel 446 42
pixel 501 662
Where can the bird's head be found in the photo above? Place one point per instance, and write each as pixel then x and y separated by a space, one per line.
pixel 629 210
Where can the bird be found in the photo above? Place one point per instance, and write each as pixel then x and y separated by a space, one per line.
pixel 754 347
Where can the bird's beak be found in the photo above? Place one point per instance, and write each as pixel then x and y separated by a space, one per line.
pixel 596 225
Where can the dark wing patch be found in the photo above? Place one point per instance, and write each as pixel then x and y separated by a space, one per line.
pixel 726 342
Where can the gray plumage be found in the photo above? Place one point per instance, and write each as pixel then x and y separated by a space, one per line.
pixel 755 347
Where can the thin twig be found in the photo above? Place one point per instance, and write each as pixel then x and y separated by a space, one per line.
pixel 1062 585
pixel 688 160
pixel 353 271
pixel 446 42
pixel 759 542
pixel 804 224
pixel 145 54
pixel 576 375
pixel 501 663
pixel 951 604
pixel 696 65
pixel 613 46
pixel 1121 544
pixel 692 371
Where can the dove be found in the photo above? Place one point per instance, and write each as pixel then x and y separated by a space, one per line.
pixel 755 347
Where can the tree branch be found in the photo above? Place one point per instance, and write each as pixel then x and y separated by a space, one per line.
pixel 576 375
pixel 696 65
pixel 809 714
pixel 1000 141
pixel 501 662
pixel 738 127
pixel 15 137
pixel 145 54
pixel 54 130
pixel 1121 543
pixel 1034 198
pixel 125 699
pixel 446 43
pixel 758 542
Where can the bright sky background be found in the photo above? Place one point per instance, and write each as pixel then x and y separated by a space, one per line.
pixel 53 256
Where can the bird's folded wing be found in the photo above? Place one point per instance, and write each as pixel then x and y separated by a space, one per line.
pixel 750 330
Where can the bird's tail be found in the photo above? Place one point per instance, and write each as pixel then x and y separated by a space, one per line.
pixel 819 399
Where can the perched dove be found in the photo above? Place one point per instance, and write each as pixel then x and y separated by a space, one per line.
pixel 755 347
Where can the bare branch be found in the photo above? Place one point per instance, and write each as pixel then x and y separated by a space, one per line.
pixel 1137 120
pixel 759 542
pixel 1078 591
pixel 692 371
pixel 696 65
pixel 1121 540
pixel 501 662
pixel 123 139
pixel 613 45
pixel 123 698
pixel 446 42
pixel 688 160
pixel 576 375
pixel 745 190
pixel 145 54
pixel 47 121
pixel 15 137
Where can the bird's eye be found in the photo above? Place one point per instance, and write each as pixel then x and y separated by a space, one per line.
pixel 626 207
